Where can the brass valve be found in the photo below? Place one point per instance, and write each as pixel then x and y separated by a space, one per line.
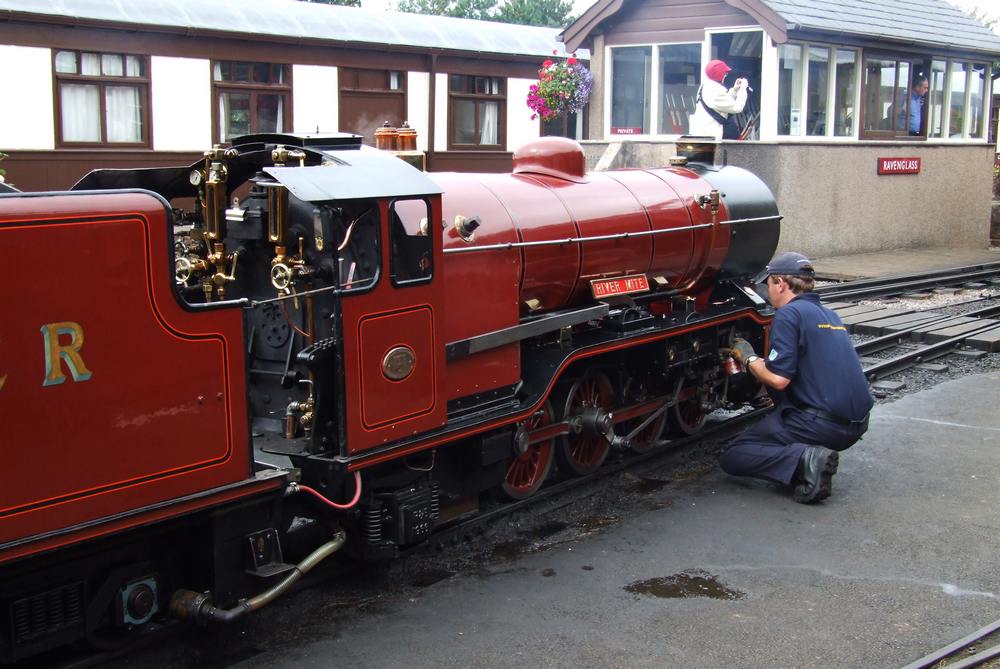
pixel 222 268
pixel 281 155
pixel 288 270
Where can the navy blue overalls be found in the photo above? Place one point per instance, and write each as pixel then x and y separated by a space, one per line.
pixel 826 403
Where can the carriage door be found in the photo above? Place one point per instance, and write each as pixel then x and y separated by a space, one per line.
pixel 393 355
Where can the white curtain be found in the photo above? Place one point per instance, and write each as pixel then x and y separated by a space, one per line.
pixel 81 112
pixel 489 114
pixel 124 112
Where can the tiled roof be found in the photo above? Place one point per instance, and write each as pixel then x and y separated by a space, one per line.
pixel 930 22
pixel 301 20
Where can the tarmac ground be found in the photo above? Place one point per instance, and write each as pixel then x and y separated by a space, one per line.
pixel 712 571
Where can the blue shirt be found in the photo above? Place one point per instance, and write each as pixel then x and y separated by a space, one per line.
pixel 916 110
pixel 810 347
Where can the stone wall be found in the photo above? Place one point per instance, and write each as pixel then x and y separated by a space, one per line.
pixel 833 201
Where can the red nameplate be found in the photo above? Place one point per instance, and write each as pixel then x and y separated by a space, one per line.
pixel 622 285
pixel 899 165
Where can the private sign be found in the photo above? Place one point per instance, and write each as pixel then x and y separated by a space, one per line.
pixel 899 165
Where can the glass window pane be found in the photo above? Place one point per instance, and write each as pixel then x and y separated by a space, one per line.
pixel 90 64
pixel 277 74
pixel 261 73
pixel 496 87
pixel 66 62
pixel 901 100
pixel 679 66
pixel 80 108
pixel 463 121
pixel 234 115
pixel 817 90
pixel 395 81
pixel 845 92
pixel 111 65
pixel 133 66
pixel 977 84
pixel 241 72
pixel 270 113
pixel 412 254
pixel 879 90
pixel 789 89
pixel 123 111
pixel 456 83
pixel 956 115
pixel 489 123
pixel 221 71
pixel 630 88
pixel 935 100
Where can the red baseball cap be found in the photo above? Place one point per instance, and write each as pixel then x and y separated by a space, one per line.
pixel 717 70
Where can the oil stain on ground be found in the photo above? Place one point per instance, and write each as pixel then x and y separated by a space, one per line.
pixel 690 583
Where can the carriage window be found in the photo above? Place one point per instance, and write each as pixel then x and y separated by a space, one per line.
pixel 354 231
pixel 412 244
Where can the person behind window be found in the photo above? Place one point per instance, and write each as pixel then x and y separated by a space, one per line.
pixel 716 105
pixel 918 91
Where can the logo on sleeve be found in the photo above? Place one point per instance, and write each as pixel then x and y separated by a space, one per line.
pixel 773 355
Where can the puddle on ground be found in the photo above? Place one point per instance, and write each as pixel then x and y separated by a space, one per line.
pixel 587 567
pixel 429 577
pixel 691 583
pixel 547 529
pixel 596 523
pixel 510 550
pixel 548 572
pixel 643 484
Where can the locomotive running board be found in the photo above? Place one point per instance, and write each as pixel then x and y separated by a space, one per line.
pixel 550 323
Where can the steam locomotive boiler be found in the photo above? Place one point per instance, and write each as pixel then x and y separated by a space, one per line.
pixel 301 341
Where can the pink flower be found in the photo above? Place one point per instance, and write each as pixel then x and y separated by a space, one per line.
pixel 571 61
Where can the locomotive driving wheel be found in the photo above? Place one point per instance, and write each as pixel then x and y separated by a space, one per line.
pixel 582 453
pixel 527 469
pixel 635 391
pixel 687 415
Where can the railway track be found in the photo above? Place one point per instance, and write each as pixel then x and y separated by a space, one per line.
pixel 974 650
pixel 898 284
pixel 556 495
pixel 906 338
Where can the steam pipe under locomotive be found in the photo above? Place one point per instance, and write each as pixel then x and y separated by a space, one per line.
pixel 406 341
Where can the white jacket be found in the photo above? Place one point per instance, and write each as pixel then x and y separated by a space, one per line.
pixel 724 101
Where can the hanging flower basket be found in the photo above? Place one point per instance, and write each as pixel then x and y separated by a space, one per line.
pixel 563 88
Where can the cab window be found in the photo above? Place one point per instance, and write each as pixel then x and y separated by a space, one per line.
pixel 354 231
pixel 412 251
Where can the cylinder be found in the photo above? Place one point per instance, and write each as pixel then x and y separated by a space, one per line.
pixel 406 138
pixel 385 137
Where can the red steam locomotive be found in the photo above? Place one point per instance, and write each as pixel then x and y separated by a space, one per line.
pixel 393 343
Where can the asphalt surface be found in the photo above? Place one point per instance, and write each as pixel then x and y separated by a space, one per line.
pixel 686 568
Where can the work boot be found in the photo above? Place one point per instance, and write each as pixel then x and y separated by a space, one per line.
pixel 814 474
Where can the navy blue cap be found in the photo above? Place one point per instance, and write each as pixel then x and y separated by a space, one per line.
pixel 788 263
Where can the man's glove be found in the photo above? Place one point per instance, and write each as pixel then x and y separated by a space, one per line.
pixel 741 350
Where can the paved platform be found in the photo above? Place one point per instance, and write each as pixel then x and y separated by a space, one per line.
pixel 725 572
pixel 900 261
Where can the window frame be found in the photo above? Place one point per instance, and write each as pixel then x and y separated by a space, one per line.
pixel 831 90
pixel 500 98
pixel 253 88
pixel 394 258
pixel 102 81
pixel 914 62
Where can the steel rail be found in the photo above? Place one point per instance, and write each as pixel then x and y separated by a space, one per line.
pixel 929 352
pixel 905 285
pixel 893 338
pixel 941 653
pixel 895 278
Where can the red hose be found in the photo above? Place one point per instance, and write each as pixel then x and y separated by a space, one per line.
pixel 342 507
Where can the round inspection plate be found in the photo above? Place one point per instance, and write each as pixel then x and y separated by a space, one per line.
pixel 398 363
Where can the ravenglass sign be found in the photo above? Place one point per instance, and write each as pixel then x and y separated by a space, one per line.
pixel 899 165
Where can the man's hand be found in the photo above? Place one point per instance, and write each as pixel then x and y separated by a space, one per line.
pixel 741 350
